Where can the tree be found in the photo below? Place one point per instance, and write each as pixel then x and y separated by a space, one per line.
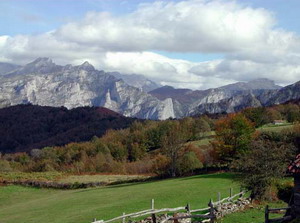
pixel 273 114
pixel 292 113
pixel 258 116
pixel 188 162
pixel 172 141
pixel 233 136
pixel 262 166
pixel 200 127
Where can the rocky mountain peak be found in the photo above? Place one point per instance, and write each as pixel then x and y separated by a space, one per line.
pixel 87 66
pixel 41 61
pixel 41 65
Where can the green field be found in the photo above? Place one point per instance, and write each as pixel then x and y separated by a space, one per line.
pixel 31 205
pixel 275 128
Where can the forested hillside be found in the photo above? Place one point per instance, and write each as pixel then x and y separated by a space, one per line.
pixel 24 127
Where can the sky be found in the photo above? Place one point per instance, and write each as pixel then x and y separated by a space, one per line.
pixel 196 44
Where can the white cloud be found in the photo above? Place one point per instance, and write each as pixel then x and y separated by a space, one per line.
pixel 248 37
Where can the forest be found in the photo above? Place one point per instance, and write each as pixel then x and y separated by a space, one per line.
pixel 26 127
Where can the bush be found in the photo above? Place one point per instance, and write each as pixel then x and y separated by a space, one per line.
pixel 285 191
pixel 5 166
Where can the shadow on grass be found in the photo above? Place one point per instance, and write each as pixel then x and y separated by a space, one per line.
pixel 229 176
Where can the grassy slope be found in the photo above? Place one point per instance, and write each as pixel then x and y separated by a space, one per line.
pixel 275 128
pixel 266 128
pixel 19 204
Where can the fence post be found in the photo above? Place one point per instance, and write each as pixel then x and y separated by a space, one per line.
pixel 153 218
pixel 95 219
pixel 241 190
pixel 152 204
pixel 267 214
pixel 188 208
pixel 123 219
pixel 230 192
pixel 211 211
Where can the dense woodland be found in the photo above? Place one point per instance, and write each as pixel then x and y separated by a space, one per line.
pixel 26 127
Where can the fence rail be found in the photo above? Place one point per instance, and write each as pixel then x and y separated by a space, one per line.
pixel 275 210
pixel 209 216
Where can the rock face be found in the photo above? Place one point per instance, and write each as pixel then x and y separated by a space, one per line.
pixel 44 83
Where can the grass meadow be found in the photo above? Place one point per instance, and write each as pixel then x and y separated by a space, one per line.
pixel 31 205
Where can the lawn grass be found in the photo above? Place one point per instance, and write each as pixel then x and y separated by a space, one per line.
pixel 30 205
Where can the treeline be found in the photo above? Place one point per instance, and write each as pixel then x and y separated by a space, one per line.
pixel 167 148
pixel 144 147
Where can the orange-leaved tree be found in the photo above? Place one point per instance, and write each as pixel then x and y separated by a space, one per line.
pixel 233 136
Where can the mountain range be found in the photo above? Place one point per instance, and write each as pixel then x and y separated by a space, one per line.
pixel 42 82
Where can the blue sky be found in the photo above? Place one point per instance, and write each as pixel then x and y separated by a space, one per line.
pixel 38 16
pixel 183 43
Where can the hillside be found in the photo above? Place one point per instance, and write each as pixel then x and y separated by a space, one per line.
pixel 24 127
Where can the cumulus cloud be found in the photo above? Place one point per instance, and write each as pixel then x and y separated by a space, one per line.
pixel 248 37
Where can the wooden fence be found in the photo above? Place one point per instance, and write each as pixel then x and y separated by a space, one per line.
pixel 276 210
pixel 208 216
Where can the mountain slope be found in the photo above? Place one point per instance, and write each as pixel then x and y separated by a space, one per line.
pixel 24 127
pixel 7 67
pixel 288 93
pixel 256 84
